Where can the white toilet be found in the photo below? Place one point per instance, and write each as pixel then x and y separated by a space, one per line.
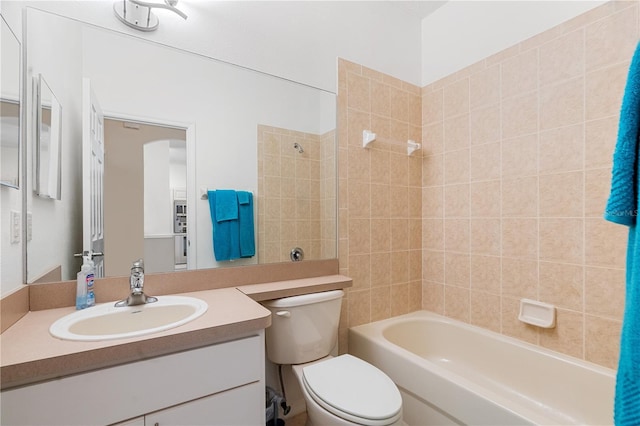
pixel 342 390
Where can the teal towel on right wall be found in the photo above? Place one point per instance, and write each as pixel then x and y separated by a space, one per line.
pixel 622 208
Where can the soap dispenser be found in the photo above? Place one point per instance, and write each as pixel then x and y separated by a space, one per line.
pixel 81 290
pixel 91 273
pixel 84 283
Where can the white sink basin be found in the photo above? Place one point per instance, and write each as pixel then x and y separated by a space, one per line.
pixel 105 321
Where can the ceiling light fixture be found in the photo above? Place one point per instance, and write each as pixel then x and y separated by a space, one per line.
pixel 137 13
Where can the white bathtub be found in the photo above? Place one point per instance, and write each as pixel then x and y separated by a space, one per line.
pixel 452 373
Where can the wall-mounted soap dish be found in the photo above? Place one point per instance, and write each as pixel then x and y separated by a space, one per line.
pixel 537 313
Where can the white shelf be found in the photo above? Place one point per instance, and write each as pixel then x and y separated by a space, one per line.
pixel 537 313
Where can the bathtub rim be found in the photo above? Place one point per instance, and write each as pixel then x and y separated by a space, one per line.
pixel 377 328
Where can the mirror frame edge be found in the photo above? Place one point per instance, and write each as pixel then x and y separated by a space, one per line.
pixel 23 148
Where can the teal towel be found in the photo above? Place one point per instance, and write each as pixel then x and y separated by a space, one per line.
pixel 622 208
pixel 226 205
pixel 244 197
pixel 245 213
pixel 226 234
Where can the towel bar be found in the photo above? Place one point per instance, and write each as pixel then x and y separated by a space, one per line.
pixel 368 136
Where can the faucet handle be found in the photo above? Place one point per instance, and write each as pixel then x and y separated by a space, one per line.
pixel 136 283
pixel 138 264
pixel 136 280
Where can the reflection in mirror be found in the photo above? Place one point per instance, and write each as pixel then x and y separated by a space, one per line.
pixel 9 106
pixel 48 139
pixel 145 177
pixel 297 188
pixel 165 235
pixel 224 111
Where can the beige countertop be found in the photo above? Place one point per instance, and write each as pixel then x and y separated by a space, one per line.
pixel 29 353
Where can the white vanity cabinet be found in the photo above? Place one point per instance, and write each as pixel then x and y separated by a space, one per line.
pixel 220 384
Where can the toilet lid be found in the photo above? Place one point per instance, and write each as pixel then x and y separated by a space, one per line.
pixel 354 390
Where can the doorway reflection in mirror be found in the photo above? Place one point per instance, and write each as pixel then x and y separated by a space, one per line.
pixel 145 193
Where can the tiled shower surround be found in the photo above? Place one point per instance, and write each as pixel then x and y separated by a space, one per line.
pixel 297 194
pixel 505 200
pixel 380 196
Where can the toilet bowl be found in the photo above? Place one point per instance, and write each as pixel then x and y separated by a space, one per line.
pixel 348 391
pixel 342 390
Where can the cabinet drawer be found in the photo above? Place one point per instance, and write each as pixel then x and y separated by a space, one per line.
pixel 241 406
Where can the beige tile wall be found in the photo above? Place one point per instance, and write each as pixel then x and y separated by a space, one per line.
pixel 296 194
pixel 516 173
pixel 380 201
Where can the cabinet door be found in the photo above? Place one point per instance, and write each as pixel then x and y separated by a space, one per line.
pixel 241 406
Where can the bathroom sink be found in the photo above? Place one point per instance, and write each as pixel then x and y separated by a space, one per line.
pixel 105 321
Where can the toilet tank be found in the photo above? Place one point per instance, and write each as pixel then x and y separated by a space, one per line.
pixel 303 328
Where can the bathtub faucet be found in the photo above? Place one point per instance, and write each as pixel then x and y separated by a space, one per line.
pixel 136 285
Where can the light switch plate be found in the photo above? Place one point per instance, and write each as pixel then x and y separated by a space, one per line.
pixel 29 226
pixel 14 224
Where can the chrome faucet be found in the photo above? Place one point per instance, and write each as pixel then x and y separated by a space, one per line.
pixel 136 284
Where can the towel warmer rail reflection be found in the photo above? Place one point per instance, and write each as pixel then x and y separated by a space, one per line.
pixel 204 193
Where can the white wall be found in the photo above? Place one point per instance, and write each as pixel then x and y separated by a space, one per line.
pixel 461 33
pixel 298 40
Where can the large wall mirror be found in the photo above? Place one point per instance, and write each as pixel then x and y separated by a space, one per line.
pixel 209 125
pixel 9 106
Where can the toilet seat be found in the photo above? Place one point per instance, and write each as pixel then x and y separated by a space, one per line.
pixel 354 390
